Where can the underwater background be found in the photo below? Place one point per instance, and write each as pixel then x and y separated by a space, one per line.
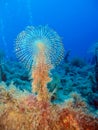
pixel 75 21
pixel 73 88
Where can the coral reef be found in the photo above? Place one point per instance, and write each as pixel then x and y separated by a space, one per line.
pixel 22 111
pixel 78 62
pixel 12 71
pixel 60 99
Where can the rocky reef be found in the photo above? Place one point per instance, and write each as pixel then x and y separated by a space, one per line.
pixel 73 106
pixel 48 97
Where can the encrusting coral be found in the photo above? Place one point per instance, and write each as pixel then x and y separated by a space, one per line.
pixel 34 111
pixel 22 111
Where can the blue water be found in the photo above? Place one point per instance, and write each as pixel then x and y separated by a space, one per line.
pixel 76 21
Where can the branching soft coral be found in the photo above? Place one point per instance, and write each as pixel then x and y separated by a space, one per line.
pixel 40 75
